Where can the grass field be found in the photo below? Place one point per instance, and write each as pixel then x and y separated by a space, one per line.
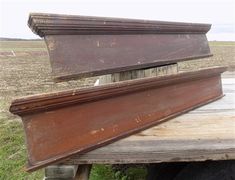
pixel 25 70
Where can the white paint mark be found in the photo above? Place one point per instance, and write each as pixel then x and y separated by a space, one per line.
pixel 73 93
pixel 28 126
pixel 98 43
pixel 113 44
pixel 138 119
pixel 97 82
pixel 101 60
pixel 115 127
pixel 94 132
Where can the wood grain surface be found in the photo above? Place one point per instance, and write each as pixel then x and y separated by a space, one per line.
pixel 107 113
pixel 83 46
pixel 206 133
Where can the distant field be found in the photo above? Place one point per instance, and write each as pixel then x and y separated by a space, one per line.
pixel 25 70
pixel 22 44
pixel 223 55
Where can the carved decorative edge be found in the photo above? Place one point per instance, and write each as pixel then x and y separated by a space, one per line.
pixel 48 24
pixel 48 101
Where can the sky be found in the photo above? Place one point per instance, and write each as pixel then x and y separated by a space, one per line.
pixel 220 13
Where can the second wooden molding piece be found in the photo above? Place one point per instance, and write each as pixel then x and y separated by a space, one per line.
pixel 83 46
pixel 59 125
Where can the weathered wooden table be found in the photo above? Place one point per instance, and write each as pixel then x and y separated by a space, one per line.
pixel 206 133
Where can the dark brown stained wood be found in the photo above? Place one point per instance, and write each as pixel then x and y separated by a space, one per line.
pixel 50 24
pixel 81 46
pixel 61 124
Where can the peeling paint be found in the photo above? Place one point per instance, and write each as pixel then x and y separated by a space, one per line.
pixel 138 119
pixel 50 43
pixel 112 44
pixel 98 43
pixel 115 127
pixel 101 60
pixel 94 132
pixel 73 93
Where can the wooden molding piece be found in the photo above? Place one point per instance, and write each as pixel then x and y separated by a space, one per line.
pixel 54 24
pixel 59 125
pixel 81 46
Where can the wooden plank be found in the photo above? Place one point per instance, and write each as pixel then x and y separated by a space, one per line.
pixel 60 172
pixel 89 46
pixel 108 112
pixel 206 133
pixel 83 172
pixel 136 74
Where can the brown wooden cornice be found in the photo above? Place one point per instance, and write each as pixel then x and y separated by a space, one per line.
pixel 50 101
pixel 59 125
pixel 53 24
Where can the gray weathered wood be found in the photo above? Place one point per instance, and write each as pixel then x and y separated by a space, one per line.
pixel 206 133
pixel 60 171
pixel 150 72
pixel 83 172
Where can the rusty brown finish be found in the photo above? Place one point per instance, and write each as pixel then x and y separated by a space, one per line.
pixel 65 123
pixel 88 46
pixel 49 101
